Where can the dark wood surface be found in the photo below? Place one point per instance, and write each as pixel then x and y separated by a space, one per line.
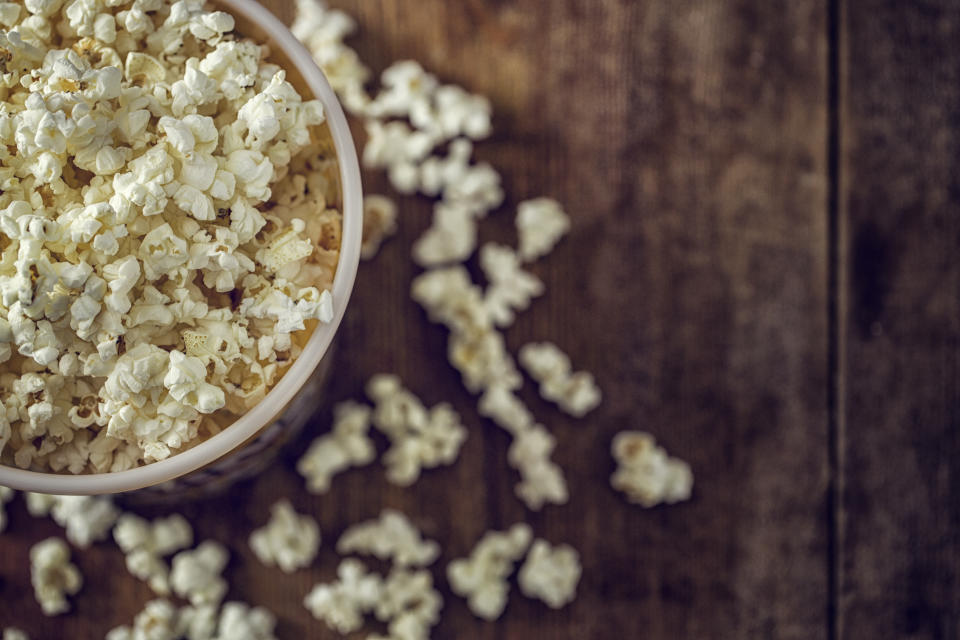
pixel 898 564
pixel 761 272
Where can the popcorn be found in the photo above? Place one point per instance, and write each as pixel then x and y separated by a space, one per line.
pixel 53 575
pixel 379 223
pixel 289 541
pixel 646 474
pixel 550 573
pixel 195 574
pixel 6 495
pixel 503 407
pixel 451 238
pixel 575 393
pixel 392 537
pixel 541 223
pixel 240 621
pixel 482 577
pixel 419 438
pixel 541 480
pixel 146 543
pixel 346 446
pixel 409 604
pixel 341 605
pixel 13 633
pixel 158 620
pixel 86 519
pixel 142 143
pixel 511 288
pixel 405 84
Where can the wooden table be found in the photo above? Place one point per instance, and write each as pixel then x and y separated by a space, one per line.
pixel 762 272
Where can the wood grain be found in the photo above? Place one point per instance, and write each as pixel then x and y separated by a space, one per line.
pixel 899 570
pixel 688 141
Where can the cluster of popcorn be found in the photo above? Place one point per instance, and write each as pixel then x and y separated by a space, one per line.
pixel 145 545
pixel 549 573
pixel 420 438
pixel 195 576
pixel 162 620
pixel 167 223
pixel 405 599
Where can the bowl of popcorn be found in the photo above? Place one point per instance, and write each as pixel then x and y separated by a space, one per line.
pixel 180 228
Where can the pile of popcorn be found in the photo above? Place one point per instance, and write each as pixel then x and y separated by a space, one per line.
pixel 168 229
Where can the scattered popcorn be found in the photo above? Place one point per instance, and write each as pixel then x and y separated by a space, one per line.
pixel 482 577
pixel 646 474
pixel 13 633
pixel 164 187
pixel 6 495
pixel 86 519
pixel 575 393
pixel 145 545
pixel 451 238
pixel 379 223
pixel 53 576
pixel 341 605
pixel 511 288
pixel 419 438
pixel 550 573
pixel 161 620
pixel 195 574
pixel 392 537
pixel 541 223
pixel 347 445
pixel 541 480
pixel 289 541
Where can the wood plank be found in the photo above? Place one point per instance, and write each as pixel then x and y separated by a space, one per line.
pixel 899 564
pixel 688 141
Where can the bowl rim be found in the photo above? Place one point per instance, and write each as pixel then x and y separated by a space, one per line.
pixel 263 413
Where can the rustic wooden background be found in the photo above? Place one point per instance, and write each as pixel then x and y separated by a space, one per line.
pixel 762 272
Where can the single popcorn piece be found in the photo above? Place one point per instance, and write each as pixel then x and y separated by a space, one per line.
pixel 409 604
pixel 482 577
pixel 195 574
pixel 451 238
pixel 550 573
pixel 53 576
pixel 541 481
pixel 541 223
pixel 419 438
pixel 391 537
pixel 145 544
pixel 379 223
pixel 341 605
pixel 575 393
pixel 86 519
pixel 13 633
pixel 646 474
pixel 347 445
pixel 511 288
pixel 289 541
pixel 6 495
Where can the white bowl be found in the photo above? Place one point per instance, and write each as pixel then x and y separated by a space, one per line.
pixel 254 21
